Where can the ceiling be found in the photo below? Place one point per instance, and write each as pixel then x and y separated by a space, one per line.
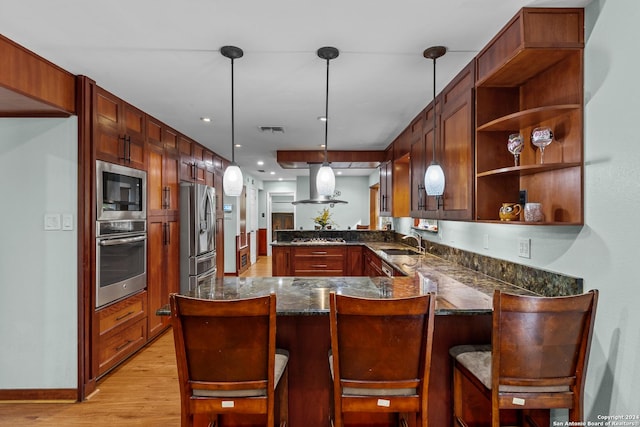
pixel 163 57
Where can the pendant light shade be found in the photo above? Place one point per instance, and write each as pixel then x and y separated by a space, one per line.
pixel 325 179
pixel 434 176
pixel 232 180
pixel 434 180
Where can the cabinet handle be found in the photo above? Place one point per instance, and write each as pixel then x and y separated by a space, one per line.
pixel 167 236
pixel 125 315
pixel 319 252
pixel 128 159
pixel 319 266
pixel 166 193
pixel 124 345
pixel 124 148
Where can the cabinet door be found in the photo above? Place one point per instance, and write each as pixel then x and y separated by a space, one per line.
pixel 354 261
pixel 281 261
pixel 187 165
pixel 171 181
pixel 456 146
pixel 156 192
pixel 156 285
pixel 120 131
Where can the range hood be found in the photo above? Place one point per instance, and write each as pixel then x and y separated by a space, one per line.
pixel 314 197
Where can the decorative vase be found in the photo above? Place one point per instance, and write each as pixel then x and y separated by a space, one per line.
pixel 533 212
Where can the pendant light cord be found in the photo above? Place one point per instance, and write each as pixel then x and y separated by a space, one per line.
pixel 233 126
pixel 326 116
pixel 434 110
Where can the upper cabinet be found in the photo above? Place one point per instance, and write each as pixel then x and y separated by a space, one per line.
pixel 531 75
pixel 455 146
pixel 119 131
pixel 454 121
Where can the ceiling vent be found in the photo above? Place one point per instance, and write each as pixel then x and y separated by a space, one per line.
pixel 272 129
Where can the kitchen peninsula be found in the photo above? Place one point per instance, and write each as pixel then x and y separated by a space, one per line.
pixel 463 310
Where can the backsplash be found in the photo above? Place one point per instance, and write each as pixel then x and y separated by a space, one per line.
pixel 539 281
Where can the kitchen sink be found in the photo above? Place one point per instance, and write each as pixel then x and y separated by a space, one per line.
pixel 395 251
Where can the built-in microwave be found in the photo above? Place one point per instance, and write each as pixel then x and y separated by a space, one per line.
pixel 121 192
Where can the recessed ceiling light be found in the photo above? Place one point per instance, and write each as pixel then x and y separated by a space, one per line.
pixel 205 119
pixel 272 173
pixel 260 163
pixel 280 179
pixel 238 145
pixel 322 118
pixel 339 173
pixel 321 145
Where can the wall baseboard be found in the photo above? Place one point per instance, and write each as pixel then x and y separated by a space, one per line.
pixel 48 395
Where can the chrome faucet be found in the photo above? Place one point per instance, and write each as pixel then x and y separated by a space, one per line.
pixel 418 238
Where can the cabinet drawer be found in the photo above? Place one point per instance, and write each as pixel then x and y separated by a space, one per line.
pixel 124 311
pixel 315 265
pixel 120 343
pixel 320 251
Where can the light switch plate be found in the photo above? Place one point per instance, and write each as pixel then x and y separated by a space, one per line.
pixel 67 221
pixel 51 222
pixel 524 248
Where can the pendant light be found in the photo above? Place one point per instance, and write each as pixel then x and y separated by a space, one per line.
pixel 232 180
pixel 325 179
pixel 434 176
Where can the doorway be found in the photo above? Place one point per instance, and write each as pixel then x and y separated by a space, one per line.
pixel 374 208
pixel 280 213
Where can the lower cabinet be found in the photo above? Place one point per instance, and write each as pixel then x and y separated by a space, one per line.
pixel 319 260
pixel 163 268
pixel 372 264
pixel 122 331
pixel 354 260
pixel 281 260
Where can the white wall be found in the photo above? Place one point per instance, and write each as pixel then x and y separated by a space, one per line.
pixel 603 252
pixel 38 276
pixel 353 189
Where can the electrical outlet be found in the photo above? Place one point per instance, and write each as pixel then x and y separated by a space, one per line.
pixel 523 198
pixel 524 248
pixel 67 221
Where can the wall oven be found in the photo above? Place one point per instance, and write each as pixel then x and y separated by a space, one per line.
pixel 121 259
pixel 120 192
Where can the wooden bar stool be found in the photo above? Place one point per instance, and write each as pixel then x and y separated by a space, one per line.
pixel 537 360
pixel 381 356
pixel 227 358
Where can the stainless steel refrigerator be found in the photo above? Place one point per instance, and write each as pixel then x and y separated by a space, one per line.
pixel 197 236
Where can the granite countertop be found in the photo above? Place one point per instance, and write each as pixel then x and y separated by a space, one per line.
pixel 457 292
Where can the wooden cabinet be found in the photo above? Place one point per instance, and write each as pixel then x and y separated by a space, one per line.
pixel 530 75
pixel 192 166
pixel 372 263
pixel 281 260
pixel 163 267
pixel 122 330
pixel 319 260
pixel 355 264
pixel 163 231
pixel 455 146
pixel 454 149
pixel 119 131
pixel 163 169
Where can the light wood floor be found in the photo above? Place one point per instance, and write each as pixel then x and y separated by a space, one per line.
pixel 141 392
